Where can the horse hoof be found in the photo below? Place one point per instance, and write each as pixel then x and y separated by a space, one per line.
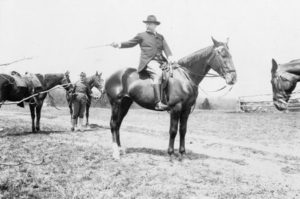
pixel 171 158
pixel 116 156
pixel 88 127
pixel 181 157
pixel 116 152
pixel 122 150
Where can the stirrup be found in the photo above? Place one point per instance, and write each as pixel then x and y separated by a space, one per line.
pixel 161 107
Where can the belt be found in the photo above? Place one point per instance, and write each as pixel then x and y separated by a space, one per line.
pixel 159 58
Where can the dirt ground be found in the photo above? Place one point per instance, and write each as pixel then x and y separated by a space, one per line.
pixel 229 155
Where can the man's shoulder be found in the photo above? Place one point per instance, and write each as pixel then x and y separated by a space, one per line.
pixel 160 35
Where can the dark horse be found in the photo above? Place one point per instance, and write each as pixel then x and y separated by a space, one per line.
pixel 284 81
pixel 11 92
pixel 125 86
pixel 93 81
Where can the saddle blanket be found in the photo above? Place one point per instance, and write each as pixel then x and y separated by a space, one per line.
pixel 27 80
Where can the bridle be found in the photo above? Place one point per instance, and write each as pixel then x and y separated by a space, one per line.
pixel 95 83
pixel 66 79
pixel 280 91
pixel 213 56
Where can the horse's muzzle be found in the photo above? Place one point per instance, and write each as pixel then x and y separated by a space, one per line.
pixel 280 105
pixel 231 78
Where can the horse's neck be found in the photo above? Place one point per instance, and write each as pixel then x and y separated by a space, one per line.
pixel 293 68
pixel 197 64
pixel 90 81
pixel 293 71
pixel 52 82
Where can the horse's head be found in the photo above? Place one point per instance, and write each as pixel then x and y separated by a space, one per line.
pixel 221 61
pixel 65 81
pixel 97 81
pixel 283 84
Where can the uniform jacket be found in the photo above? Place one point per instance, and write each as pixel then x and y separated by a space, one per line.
pixel 82 87
pixel 151 44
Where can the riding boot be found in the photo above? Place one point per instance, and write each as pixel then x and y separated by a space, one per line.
pixel 158 104
pixel 73 124
pixel 80 124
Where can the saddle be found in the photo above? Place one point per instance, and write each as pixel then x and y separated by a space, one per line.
pixel 167 70
pixel 28 80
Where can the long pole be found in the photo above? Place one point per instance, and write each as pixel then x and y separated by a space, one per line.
pixel 98 46
pixel 26 58
pixel 24 99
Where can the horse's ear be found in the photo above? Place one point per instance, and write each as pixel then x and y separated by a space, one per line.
pixel 97 73
pixel 227 40
pixel 67 72
pixel 216 43
pixel 100 74
pixel 274 66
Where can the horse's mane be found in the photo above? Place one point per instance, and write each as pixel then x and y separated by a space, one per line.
pixel 291 63
pixel 195 57
pixel 295 61
pixel 52 76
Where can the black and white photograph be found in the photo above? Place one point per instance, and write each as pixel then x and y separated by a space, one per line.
pixel 140 99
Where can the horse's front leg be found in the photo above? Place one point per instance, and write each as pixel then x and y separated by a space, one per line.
pixel 174 118
pixel 32 108
pixel 69 100
pixel 87 114
pixel 182 130
pixel 38 115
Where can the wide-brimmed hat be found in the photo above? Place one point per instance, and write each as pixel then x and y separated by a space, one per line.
pixel 152 19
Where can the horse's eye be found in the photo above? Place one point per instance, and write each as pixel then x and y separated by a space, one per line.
pixel 223 53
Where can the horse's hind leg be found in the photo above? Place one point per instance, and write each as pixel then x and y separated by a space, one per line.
pixel 71 110
pixel 119 110
pixel 38 115
pixel 32 108
pixel 182 130
pixel 174 119
pixel 87 114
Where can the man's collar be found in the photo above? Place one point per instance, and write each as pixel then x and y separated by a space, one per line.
pixel 151 32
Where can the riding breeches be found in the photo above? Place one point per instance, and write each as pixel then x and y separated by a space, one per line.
pixel 79 105
pixel 155 72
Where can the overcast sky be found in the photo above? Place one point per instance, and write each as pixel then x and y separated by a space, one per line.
pixel 55 33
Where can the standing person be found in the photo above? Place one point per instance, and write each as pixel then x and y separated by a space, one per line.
pixel 152 45
pixel 81 94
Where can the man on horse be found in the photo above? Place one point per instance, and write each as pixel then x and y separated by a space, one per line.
pixel 152 45
pixel 81 93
